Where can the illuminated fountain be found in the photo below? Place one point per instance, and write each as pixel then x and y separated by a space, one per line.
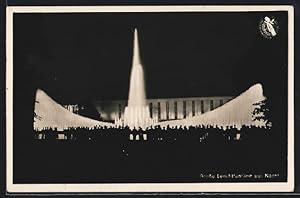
pixel 137 114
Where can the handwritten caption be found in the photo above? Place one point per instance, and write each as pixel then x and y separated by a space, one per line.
pixel 239 176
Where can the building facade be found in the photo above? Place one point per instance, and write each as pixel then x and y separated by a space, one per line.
pixel 163 109
pixel 72 107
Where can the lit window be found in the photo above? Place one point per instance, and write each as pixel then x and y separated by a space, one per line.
pixel 167 110
pixel 175 109
pixel 221 102
pixel 150 109
pixel 184 109
pixel 158 110
pixel 120 110
pixel 193 108
pixel 202 106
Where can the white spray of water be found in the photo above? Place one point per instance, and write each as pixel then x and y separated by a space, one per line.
pixel 235 113
pixel 137 114
pixel 52 115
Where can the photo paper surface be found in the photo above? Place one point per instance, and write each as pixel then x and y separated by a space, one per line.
pixel 150 99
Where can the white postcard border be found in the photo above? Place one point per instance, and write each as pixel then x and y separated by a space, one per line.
pixel 147 187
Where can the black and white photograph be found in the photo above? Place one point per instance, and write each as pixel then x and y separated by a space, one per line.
pixel 150 99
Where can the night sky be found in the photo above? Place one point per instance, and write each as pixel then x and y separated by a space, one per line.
pixel 87 57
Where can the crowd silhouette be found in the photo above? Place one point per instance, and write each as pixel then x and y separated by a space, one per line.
pixel 199 133
pixel 167 155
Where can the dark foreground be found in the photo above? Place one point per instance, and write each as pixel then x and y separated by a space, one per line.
pixel 197 155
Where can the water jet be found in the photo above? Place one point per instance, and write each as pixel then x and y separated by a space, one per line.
pixel 137 114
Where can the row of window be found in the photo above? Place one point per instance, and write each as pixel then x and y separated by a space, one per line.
pixel 175 108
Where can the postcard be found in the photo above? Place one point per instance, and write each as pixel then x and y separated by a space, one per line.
pixel 109 99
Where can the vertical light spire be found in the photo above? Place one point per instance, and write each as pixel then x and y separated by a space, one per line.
pixel 137 114
pixel 136 49
pixel 137 93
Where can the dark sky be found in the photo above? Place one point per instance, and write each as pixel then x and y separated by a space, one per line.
pixel 86 57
